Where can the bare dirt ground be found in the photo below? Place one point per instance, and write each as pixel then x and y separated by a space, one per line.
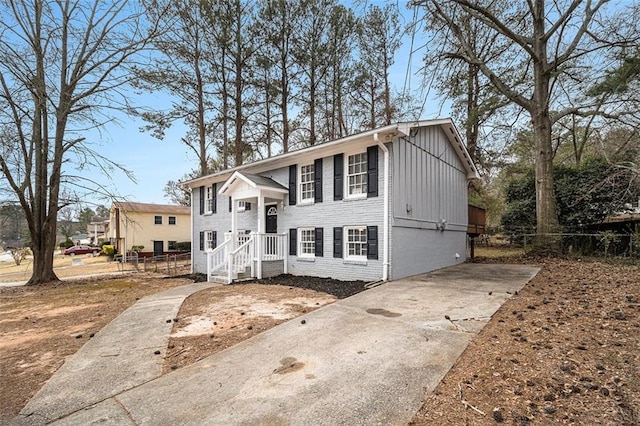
pixel 212 320
pixel 565 350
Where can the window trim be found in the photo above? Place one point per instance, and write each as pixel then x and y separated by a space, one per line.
pixel 208 238
pixel 364 174
pixel 345 242
pixel 171 245
pixel 311 198
pixel 242 206
pixel 312 242
pixel 175 220
pixel 208 200
pixel 155 219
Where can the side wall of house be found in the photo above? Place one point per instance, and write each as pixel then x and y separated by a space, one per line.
pixel 429 191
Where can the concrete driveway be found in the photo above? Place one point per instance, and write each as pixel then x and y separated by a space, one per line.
pixel 369 359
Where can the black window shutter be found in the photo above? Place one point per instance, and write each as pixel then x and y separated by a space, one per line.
pixel 338 179
pixel 317 189
pixel 337 242
pixel 215 239
pixel 372 171
pixel 319 240
pixel 201 241
pixel 293 241
pixel 230 204
pixel 293 181
pixel 214 197
pixel 372 242
pixel 202 200
pixel 247 206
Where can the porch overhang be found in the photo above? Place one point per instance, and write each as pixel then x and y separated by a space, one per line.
pixel 245 186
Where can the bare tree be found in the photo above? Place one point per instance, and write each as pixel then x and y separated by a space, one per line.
pixel 540 48
pixel 64 65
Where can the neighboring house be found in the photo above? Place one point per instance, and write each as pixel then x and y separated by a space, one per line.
pixel 157 227
pixel 97 229
pixel 387 203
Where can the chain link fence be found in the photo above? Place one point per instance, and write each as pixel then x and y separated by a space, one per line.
pixel 599 244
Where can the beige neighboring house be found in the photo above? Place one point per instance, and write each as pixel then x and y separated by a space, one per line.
pixel 157 227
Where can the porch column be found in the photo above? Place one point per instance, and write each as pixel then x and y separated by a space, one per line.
pixel 261 215
pixel 234 223
pixel 261 230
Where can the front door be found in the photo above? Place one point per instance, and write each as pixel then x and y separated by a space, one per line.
pixel 272 219
pixel 158 248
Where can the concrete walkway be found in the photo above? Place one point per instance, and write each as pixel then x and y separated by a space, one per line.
pixel 368 359
pixel 119 357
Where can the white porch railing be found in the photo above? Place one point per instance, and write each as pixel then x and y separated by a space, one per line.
pixel 249 250
pixel 217 259
pixel 271 246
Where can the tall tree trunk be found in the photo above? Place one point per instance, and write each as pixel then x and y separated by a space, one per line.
pixel 204 167
pixel 546 214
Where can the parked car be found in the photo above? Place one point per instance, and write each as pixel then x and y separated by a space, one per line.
pixel 72 251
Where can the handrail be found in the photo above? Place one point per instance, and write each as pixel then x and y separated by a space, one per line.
pixel 217 258
pixel 240 258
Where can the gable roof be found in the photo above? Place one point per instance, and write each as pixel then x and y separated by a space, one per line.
pixel 254 181
pixel 151 208
pixel 385 134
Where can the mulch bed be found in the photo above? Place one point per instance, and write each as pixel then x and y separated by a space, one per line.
pixel 337 288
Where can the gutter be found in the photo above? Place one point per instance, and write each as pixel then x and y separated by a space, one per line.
pixel 193 233
pixel 385 220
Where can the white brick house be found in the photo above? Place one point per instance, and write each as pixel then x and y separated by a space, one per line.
pixel 382 204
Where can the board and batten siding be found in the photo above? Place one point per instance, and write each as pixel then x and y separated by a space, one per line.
pixel 429 186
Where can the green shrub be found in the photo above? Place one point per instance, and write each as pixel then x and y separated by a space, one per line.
pixel 183 246
pixel 109 250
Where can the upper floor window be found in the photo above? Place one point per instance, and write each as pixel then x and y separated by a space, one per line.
pixel 307 179
pixel 242 206
pixel 306 242
pixel 157 220
pixel 172 220
pixel 357 175
pixel 356 242
pixel 208 200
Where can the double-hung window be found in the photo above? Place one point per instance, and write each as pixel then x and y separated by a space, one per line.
pixel 209 200
pixel 157 220
pixel 306 242
pixel 172 220
pixel 357 175
pixel 209 241
pixel 356 242
pixel 307 180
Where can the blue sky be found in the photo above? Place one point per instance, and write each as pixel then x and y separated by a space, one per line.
pixel 154 162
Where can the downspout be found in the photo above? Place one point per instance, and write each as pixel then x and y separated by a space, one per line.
pixel 192 230
pixel 385 220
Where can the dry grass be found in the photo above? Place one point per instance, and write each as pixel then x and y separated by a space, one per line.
pixel 10 272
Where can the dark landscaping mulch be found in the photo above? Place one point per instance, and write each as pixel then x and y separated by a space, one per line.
pixel 337 288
